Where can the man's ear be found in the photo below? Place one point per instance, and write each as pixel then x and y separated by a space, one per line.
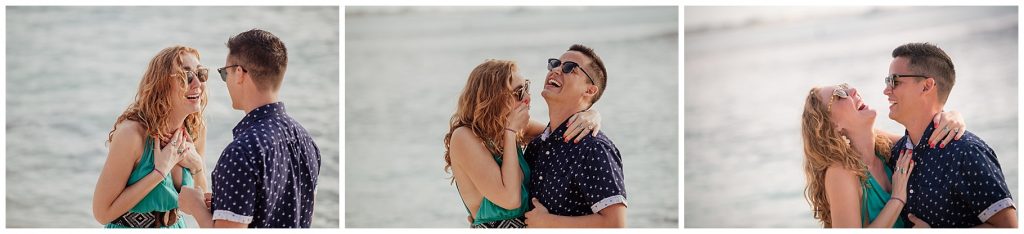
pixel 243 77
pixel 591 90
pixel 929 84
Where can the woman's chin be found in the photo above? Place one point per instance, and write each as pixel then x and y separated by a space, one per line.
pixel 869 116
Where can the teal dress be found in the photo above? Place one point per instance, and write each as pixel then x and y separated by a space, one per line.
pixel 490 212
pixel 875 197
pixel 163 197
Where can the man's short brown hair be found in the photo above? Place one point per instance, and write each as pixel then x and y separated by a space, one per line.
pixel 597 71
pixel 927 59
pixel 262 54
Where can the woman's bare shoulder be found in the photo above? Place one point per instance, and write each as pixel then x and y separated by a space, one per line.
pixel 465 142
pixel 128 135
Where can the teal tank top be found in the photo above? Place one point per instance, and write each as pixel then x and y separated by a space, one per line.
pixel 875 197
pixel 490 212
pixel 163 197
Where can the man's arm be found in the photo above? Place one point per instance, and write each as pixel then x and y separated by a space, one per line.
pixel 228 224
pixel 191 202
pixel 1006 218
pixel 613 216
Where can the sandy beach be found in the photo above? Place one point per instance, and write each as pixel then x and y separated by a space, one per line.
pixel 748 70
pixel 72 70
pixel 405 67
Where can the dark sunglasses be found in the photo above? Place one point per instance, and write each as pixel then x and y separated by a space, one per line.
pixel 890 81
pixel 522 91
pixel 567 67
pixel 224 72
pixel 201 72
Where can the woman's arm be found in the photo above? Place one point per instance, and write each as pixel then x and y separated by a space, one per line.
pixel 891 212
pixel 193 160
pixel 533 129
pixel 200 176
pixel 949 125
pixel 501 185
pixel 892 137
pixel 950 120
pixel 582 124
pixel 842 188
pixel 111 199
pixel 613 216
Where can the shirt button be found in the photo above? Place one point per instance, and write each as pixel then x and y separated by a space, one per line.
pixel 541 178
pixel 911 191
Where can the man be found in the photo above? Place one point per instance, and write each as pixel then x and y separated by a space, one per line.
pixel 574 184
pixel 266 177
pixel 955 184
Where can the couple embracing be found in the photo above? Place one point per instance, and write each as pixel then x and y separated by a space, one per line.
pixel 265 178
pixel 514 172
pixel 937 174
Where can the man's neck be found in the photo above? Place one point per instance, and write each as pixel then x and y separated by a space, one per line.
pixel 257 101
pixel 916 125
pixel 559 113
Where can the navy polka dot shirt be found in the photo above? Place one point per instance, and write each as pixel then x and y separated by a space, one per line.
pixel 266 177
pixel 960 185
pixel 575 179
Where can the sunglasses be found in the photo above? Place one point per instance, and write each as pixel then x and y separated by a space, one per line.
pixel 522 91
pixel 841 92
pixel 567 67
pixel 201 73
pixel 224 72
pixel 890 81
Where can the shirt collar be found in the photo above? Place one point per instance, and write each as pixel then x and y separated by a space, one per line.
pixel 923 144
pixel 261 112
pixel 559 131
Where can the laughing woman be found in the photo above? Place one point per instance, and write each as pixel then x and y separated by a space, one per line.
pixel 155 145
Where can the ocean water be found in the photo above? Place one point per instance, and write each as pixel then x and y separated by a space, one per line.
pixel 405 67
pixel 72 70
pixel 748 69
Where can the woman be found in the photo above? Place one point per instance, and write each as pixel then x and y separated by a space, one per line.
pixel 848 182
pixel 154 146
pixel 484 144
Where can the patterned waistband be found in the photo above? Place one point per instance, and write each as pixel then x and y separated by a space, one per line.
pixel 519 222
pixel 153 219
